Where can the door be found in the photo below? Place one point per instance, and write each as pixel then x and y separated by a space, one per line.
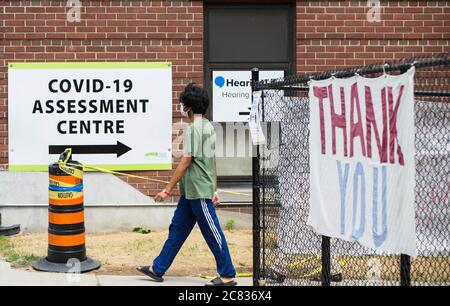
pixel 239 37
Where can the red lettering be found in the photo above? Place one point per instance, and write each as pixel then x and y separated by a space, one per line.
pixel 356 128
pixel 371 122
pixel 393 137
pixel 321 93
pixel 338 121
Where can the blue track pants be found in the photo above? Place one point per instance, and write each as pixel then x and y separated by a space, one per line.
pixel 189 212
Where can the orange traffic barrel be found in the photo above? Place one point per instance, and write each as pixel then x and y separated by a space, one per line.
pixel 66 231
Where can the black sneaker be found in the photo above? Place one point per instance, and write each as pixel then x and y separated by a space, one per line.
pixel 275 276
pixel 336 278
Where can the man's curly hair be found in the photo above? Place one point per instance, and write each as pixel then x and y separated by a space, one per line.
pixel 196 98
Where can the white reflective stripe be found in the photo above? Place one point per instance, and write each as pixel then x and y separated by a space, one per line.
pixel 211 223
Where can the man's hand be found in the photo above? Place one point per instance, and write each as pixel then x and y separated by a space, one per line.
pixel 216 200
pixel 162 196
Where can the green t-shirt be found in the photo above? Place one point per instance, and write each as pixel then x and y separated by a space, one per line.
pixel 198 182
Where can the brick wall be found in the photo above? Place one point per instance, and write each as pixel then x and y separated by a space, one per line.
pixel 108 31
pixel 330 34
pixel 333 34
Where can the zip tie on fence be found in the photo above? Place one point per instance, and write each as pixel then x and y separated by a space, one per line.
pixel 65 166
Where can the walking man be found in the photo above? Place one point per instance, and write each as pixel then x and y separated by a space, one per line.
pixel 198 182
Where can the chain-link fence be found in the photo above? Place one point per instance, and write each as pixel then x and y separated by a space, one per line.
pixel 287 251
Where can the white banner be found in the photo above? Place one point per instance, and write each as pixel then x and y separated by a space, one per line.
pixel 113 115
pixel 362 161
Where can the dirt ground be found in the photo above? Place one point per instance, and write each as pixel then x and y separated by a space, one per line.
pixel 120 253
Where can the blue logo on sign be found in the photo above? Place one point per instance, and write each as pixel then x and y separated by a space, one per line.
pixel 219 81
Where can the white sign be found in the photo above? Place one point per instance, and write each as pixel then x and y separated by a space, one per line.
pixel 232 94
pixel 362 161
pixel 113 115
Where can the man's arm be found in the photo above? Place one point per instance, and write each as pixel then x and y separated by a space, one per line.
pixel 179 172
pixel 216 200
pixel 215 174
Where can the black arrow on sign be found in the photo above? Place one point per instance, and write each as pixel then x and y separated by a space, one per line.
pixel 119 149
pixel 244 113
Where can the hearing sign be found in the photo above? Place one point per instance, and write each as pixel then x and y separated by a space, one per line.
pixel 362 161
pixel 116 116
pixel 232 94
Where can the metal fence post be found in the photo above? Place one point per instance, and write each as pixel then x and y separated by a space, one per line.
pixel 256 219
pixel 405 270
pixel 405 261
pixel 326 258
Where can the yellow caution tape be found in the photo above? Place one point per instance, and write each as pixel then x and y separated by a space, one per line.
pixel 300 263
pixel 211 277
pixel 72 169
pixel 60 184
pixel 63 167
pixel 55 195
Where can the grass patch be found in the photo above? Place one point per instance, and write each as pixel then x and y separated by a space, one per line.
pixel 229 226
pixel 9 253
pixel 142 230
pixel 121 253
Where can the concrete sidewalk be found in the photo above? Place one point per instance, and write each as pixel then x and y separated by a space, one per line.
pixel 17 277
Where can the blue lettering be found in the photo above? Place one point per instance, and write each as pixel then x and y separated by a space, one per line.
pixel 343 187
pixel 359 172
pixel 378 239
